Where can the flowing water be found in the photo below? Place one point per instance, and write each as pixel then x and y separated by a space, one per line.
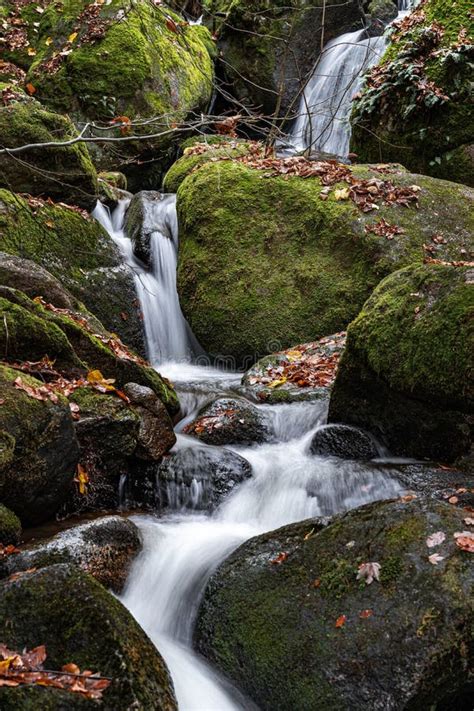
pixel 322 124
pixel 183 547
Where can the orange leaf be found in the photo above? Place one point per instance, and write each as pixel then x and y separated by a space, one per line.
pixel 341 621
pixel 281 557
pixel 30 89
pixel 365 614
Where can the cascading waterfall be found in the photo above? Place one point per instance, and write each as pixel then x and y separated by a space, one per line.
pixel 322 124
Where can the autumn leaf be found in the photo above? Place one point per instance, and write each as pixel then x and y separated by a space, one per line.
pixel 435 539
pixel 308 535
pixel 48 41
pixel 453 500
pixel 82 479
pixel 342 194
pixel 469 521
pixel 97 380
pixel 341 621
pixel 365 614
pixel 31 51
pixel 281 557
pixel 369 572
pixel 465 541
pixel 30 88
pixel 72 37
pixel 435 558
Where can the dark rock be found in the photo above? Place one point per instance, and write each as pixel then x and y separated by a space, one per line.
pixel 79 621
pixel 229 421
pixel 155 435
pixel 406 374
pixel 403 641
pixel 31 278
pixel 144 217
pixel 105 548
pixel 343 442
pixel 10 526
pixel 200 477
pixel 38 450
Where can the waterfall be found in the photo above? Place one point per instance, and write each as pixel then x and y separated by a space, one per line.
pixel 167 333
pixel 322 124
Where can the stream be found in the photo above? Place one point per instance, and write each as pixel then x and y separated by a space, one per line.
pixel 182 548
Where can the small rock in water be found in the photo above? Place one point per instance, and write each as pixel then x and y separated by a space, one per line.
pixel 229 421
pixel 343 442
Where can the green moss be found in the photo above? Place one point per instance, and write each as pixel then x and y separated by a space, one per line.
pixel 10 526
pixel 298 267
pixel 338 578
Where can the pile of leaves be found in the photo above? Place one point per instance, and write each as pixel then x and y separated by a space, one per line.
pixel 312 365
pixel 223 417
pixel 382 228
pixel 27 669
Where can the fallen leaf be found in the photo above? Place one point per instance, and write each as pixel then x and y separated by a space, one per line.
pixel 317 583
pixel 453 500
pixel 435 539
pixel 30 88
pixel 365 614
pixel 369 572
pixel 281 557
pixel 469 521
pixel 465 541
pixel 48 41
pixel 341 621
pixel 351 544
pixel 82 479
pixel 435 558
pixel 72 37
pixel 342 194
pixel 407 498
pixel 309 534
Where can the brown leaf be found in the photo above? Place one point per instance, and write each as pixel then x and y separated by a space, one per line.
pixel 281 557
pixel 341 621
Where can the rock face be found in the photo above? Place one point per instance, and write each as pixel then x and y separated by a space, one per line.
pixel 139 64
pixel 406 374
pixel 229 421
pixel 343 442
pixel 105 548
pixel 252 36
pixel 79 621
pixel 303 266
pixel 415 107
pixel 308 634
pixel 38 450
pixel 64 174
pixel 29 277
pixel 75 249
pixel 200 477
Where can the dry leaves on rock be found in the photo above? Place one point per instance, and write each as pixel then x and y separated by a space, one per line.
pixel 465 541
pixel 369 572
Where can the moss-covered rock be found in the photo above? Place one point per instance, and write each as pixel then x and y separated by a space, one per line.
pixel 255 36
pixel 416 106
pixel 10 526
pixel 80 622
pixel 105 548
pixel 383 10
pixel 101 61
pixel 308 634
pixel 406 373
pixel 39 450
pixel 229 421
pixel 266 263
pixel 74 248
pixel 64 174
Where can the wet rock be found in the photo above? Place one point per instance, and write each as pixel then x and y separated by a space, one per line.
pixel 144 217
pixel 38 450
pixel 343 442
pixel 437 481
pixel 200 477
pixel 105 548
pixel 308 634
pixel 79 621
pixel 155 435
pixel 229 421
pixel 34 280
pixel 406 373
pixel 10 526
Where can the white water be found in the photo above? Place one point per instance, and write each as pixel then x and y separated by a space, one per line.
pixel 322 124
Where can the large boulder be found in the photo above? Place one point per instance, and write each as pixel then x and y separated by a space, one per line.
pixel 99 62
pixel 406 374
pixel 344 442
pixel 76 250
pixel 200 477
pixel 306 260
pixel 416 107
pixel 105 548
pixel 264 70
pixel 62 173
pixel 229 421
pixel 296 619
pixel 38 449
pixel 79 622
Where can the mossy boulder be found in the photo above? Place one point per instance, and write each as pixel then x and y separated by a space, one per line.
pixel 10 526
pixel 406 373
pixel 229 421
pixel 299 267
pixel 80 622
pixel 383 10
pixel 76 250
pixel 308 634
pixel 139 62
pixel 104 548
pixel 416 107
pixel 254 36
pixel 38 450
pixel 65 174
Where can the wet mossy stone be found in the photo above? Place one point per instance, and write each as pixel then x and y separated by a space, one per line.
pixel 10 526
pixel 229 421
pixel 79 621
pixel 104 548
pixel 76 250
pixel 384 10
pixel 38 466
pixel 343 442
pixel 402 119
pixel 299 267
pixel 64 173
pixel 404 640
pixel 145 64
pixel 406 373
pixel 218 471
pixel 253 37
